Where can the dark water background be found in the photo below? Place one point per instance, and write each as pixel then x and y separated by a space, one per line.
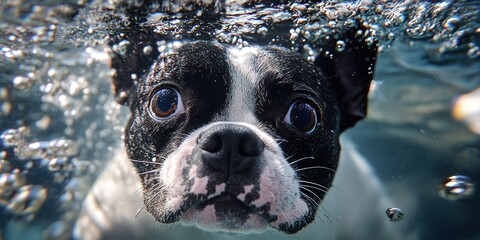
pixel 59 123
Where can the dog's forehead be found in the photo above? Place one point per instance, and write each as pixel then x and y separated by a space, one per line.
pixel 194 58
pixel 245 75
pixel 236 78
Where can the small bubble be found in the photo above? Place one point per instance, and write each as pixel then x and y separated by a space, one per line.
pixel 27 200
pixel 391 36
pixel 58 230
pixel 262 30
pixel 394 214
pixel 332 24
pixel 452 24
pixel 4 93
pixel 5 166
pixel 147 50
pixel 370 41
pixel 349 23
pixel 6 108
pixel 44 122
pixel 12 137
pixel 457 187
pixel 473 52
pixel 340 46
pixel 9 182
pixel 22 83
pixel 57 164
pixel 66 198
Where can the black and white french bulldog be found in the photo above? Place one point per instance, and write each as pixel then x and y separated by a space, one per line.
pixel 237 142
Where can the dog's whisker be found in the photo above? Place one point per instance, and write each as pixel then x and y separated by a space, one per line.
pixel 312 187
pixel 310 191
pixel 158 191
pixel 147 150
pixel 288 158
pixel 301 159
pixel 315 167
pixel 281 140
pixel 181 137
pixel 147 172
pixel 139 211
pixel 148 181
pixel 304 182
pixel 143 161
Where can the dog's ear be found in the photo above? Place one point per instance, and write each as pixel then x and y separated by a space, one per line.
pixel 133 52
pixel 349 62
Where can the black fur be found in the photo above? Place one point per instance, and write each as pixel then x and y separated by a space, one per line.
pixel 199 71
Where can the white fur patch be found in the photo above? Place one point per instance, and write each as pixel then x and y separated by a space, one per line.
pixel 246 190
pixel 199 184
pixel 278 185
pixel 219 189
pixel 245 76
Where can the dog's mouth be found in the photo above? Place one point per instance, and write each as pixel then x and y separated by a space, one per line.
pixel 226 204
pixel 225 213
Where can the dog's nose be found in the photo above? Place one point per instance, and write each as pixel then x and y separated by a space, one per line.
pixel 229 148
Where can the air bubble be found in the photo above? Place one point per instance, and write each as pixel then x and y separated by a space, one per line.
pixel 9 182
pixel 394 214
pixel 50 149
pixel 391 36
pixel 452 24
pixel 340 46
pixel 147 50
pixel 22 83
pixel 58 230
pixel 370 41
pixel 13 137
pixel 57 164
pixel 5 167
pixel 262 30
pixel 6 108
pixel 457 187
pixel 44 122
pixel 27 200
pixel 473 52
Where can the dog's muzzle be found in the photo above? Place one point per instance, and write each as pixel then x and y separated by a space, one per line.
pixel 229 149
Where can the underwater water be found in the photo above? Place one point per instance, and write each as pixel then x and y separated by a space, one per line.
pixel 60 124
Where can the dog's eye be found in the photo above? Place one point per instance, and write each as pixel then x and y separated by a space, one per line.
pixel 303 116
pixel 165 103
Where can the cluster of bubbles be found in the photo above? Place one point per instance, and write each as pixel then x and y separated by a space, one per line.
pixel 16 194
pixel 55 107
pixel 308 24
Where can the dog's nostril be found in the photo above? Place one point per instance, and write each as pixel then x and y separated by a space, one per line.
pixel 230 148
pixel 251 145
pixel 210 142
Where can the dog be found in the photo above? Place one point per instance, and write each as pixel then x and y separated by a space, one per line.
pixel 230 142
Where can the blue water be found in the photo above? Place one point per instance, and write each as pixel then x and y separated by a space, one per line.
pixel 59 123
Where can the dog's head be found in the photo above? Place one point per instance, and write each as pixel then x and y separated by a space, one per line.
pixel 239 140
